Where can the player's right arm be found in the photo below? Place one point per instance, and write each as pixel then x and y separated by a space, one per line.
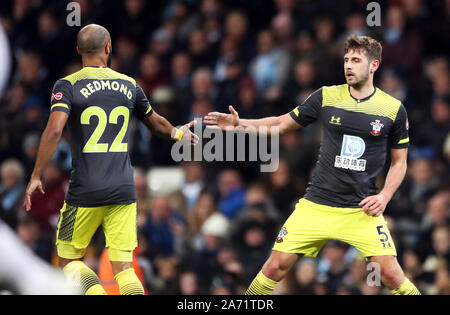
pixel 49 142
pixel 301 116
pixel 61 103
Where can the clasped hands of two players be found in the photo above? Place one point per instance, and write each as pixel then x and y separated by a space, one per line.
pixel 372 205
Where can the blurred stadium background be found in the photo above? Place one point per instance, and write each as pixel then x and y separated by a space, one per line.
pixel 207 228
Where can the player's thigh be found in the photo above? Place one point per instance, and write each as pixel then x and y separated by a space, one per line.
pixel 370 235
pixel 75 229
pixel 305 231
pixel 120 227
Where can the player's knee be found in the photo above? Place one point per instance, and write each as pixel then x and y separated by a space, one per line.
pixel 392 276
pixel 275 269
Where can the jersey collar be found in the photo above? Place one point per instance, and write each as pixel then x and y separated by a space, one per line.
pixel 362 99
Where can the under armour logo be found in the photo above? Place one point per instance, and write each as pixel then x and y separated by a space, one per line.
pixel 335 120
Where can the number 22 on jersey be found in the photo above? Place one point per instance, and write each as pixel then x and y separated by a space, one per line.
pixel 92 145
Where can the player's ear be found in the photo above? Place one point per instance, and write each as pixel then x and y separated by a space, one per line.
pixel 78 50
pixel 374 65
pixel 108 48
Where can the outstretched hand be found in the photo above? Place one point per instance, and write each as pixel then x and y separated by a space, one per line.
pixel 188 135
pixel 216 120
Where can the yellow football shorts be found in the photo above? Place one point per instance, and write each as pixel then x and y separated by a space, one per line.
pixel 311 225
pixel 77 225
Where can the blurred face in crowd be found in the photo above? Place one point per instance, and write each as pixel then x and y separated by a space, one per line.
pixel 236 25
pixel 125 48
pixel 395 18
pixel 324 29
pixel 21 7
pixel 181 65
pixel 197 42
pixel 306 272
pixel 188 283
pixel 390 83
pixel 355 22
pixel 281 176
pixel 160 210
pixel 304 73
pixel 29 65
pixel 205 206
pixel 149 67
pixel 334 254
pixel 255 194
pixel 441 83
pixel 283 25
pixel 358 68
pixel 438 207
pixel 247 96
pixel 17 97
pixel 225 255
pixel 134 7
pixel 228 181
pixel 265 42
pixel 193 171
pixel 286 4
pixel 202 83
pixel 441 111
pixel 28 232
pixel 46 24
pixel 441 240
pixel 411 262
pixel 167 267
pixel 11 174
pixel 228 47
pixel 201 107
pixel 421 171
pixel 254 237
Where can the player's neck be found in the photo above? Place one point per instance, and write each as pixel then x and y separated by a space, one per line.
pixel 93 62
pixel 363 91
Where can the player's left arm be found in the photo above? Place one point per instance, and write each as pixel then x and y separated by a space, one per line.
pixel 398 142
pixel 375 205
pixel 49 142
pixel 159 125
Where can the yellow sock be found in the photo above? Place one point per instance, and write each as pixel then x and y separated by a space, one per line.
pixel 129 283
pixel 84 278
pixel 406 288
pixel 261 285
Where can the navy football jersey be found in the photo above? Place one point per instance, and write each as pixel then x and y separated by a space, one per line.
pixel 99 102
pixel 355 142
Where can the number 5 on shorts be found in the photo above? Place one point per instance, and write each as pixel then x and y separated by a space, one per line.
pixel 380 232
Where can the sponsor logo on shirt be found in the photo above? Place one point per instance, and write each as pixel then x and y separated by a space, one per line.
pixel 351 150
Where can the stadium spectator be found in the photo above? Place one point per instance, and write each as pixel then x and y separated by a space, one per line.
pixel 12 191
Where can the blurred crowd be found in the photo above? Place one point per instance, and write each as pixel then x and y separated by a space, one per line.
pixel 213 234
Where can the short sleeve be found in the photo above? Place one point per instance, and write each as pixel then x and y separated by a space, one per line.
pixel 309 110
pixel 142 107
pixel 61 99
pixel 399 135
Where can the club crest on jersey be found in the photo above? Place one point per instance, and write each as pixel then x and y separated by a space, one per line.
pixel 281 235
pixel 376 127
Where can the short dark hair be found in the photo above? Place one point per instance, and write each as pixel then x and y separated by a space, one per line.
pixel 370 46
